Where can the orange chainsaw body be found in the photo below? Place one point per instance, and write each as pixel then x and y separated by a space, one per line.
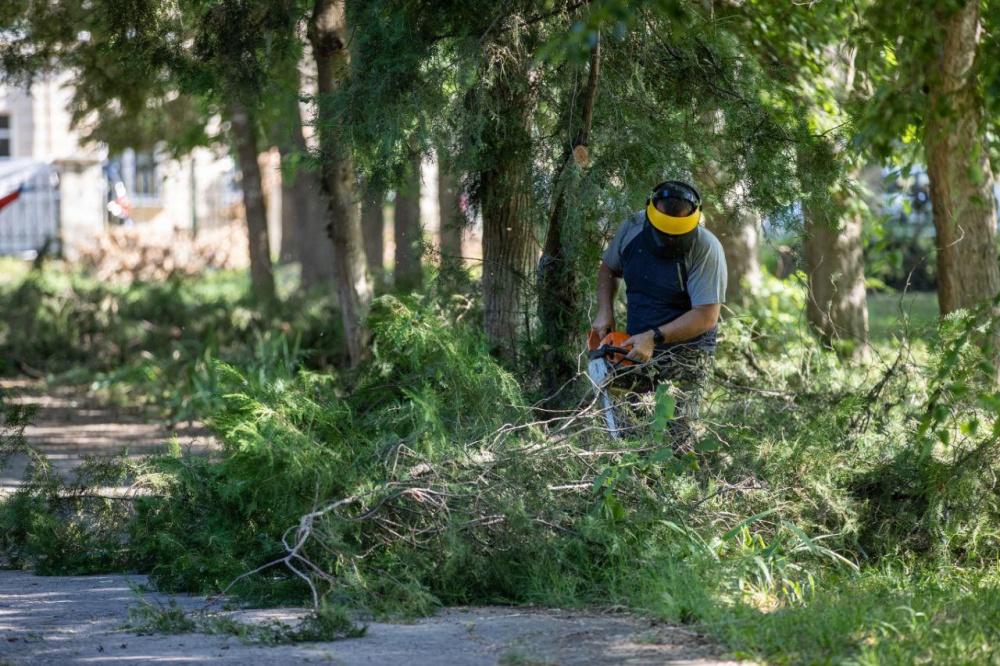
pixel 612 339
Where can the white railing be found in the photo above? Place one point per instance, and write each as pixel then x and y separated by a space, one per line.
pixel 27 224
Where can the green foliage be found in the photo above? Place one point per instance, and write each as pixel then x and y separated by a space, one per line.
pixel 293 437
pixel 156 342
pixel 831 511
pixel 824 497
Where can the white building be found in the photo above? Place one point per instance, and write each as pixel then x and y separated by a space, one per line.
pixel 66 186
pixel 68 190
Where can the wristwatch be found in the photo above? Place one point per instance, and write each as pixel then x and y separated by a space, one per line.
pixel 658 338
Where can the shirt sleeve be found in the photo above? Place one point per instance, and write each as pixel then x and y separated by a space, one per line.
pixel 613 254
pixel 707 272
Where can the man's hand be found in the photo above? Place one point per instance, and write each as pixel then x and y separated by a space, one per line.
pixel 642 347
pixel 603 323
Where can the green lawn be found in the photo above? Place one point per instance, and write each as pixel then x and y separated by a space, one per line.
pixel 892 313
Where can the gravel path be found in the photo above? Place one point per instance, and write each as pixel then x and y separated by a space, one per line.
pixel 70 425
pixel 79 619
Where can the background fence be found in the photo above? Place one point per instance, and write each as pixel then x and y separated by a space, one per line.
pixel 31 220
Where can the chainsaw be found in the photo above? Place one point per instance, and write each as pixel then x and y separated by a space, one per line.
pixel 605 355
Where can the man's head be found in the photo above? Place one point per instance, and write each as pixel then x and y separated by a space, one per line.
pixel 674 210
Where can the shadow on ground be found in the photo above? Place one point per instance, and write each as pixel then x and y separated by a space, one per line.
pixel 70 425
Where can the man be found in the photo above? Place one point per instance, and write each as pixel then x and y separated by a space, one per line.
pixel 675 283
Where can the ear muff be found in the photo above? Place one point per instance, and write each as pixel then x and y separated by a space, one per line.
pixel 669 224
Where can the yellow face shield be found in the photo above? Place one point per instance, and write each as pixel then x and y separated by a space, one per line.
pixel 675 226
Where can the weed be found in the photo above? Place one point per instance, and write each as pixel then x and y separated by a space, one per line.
pixel 156 618
pixel 516 657
pixel 325 623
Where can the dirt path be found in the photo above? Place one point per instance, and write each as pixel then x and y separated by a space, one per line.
pixel 78 620
pixel 70 425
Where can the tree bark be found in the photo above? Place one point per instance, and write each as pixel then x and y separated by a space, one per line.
pixel 837 304
pixel 244 133
pixel 327 34
pixel 408 238
pixel 303 220
pixel 505 195
pixel 961 180
pixel 315 251
pixel 558 283
pixel 738 230
pixel 373 232
pixel 450 211
pixel 289 249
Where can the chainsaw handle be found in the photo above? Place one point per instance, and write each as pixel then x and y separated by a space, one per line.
pixel 604 351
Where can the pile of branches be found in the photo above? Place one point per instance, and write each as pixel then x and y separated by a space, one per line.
pixel 141 254
pixel 509 496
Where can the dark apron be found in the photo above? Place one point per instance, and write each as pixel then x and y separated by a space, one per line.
pixel 656 289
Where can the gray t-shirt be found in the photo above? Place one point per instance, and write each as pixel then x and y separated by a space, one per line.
pixel 705 261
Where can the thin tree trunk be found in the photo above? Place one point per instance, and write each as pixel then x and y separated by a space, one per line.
pixel 505 196
pixel 450 211
pixel 327 35
pixel 289 249
pixel 281 137
pixel 406 224
pixel 961 180
pixel 244 133
pixel 837 306
pixel 373 232
pixel 558 287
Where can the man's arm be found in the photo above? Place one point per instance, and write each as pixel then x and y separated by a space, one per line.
pixel 607 287
pixel 691 324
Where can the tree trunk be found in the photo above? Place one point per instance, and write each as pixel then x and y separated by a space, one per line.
pixel 373 232
pixel 327 35
pixel 289 250
pixel 408 238
pixel 505 195
pixel 450 211
pixel 738 230
pixel 303 211
pixel 837 306
pixel 316 256
pixel 244 133
pixel 731 220
pixel 558 284
pixel 961 181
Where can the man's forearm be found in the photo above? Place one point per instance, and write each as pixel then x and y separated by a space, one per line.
pixel 689 325
pixel 607 286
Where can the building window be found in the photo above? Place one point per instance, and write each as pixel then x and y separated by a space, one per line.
pixel 137 173
pixel 4 135
pixel 147 182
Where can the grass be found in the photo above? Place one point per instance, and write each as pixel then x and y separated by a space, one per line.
pixel 884 615
pixel 517 657
pixel 325 623
pixel 890 313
